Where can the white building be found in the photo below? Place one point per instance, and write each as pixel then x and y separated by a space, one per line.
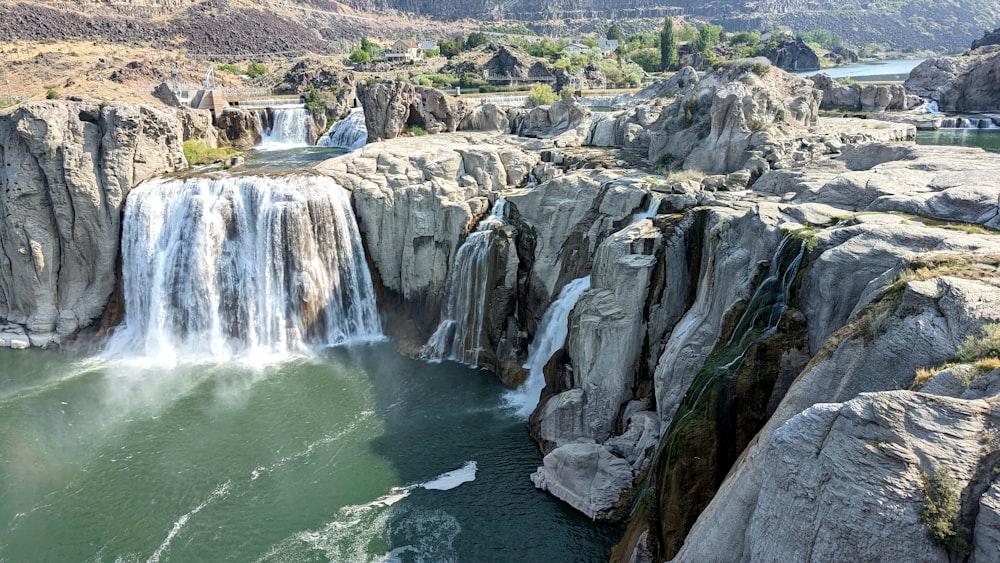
pixel 404 51
pixel 574 49
pixel 607 46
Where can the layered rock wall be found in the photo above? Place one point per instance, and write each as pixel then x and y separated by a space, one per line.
pixel 67 168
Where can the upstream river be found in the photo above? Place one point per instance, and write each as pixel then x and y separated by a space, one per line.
pixel 354 454
pixel 889 70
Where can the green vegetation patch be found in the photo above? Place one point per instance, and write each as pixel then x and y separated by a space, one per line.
pixel 196 152
pixel 941 509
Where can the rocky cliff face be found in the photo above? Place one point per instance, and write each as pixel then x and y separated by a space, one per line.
pixel 67 168
pixel 966 83
pixel 391 108
pixel 791 54
pixel 416 199
pixel 871 98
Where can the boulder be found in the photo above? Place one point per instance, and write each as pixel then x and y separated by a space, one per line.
pixel 240 128
pixel 66 170
pixel 485 117
pixel 567 121
pixel 197 126
pixel 586 476
pixel 391 108
pixel 791 54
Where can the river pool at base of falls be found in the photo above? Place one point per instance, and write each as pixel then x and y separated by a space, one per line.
pixel 354 454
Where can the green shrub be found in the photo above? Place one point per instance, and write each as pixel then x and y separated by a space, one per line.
pixel 541 95
pixel 761 69
pixel 228 68
pixel 196 152
pixel 360 57
pixel 255 69
pixel 941 510
pixel 52 92
pixel 416 131
pixel 690 107
pixel 980 347
pixel 648 59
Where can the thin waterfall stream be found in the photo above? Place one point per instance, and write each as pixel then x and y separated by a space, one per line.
pixel 459 335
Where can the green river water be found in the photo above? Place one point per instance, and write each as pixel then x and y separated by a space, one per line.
pixel 307 459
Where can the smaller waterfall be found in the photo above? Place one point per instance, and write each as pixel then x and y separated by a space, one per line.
pixel 758 322
pixel 968 123
pixel 550 337
pixel 459 335
pixel 651 210
pixel 931 107
pixel 290 127
pixel 349 133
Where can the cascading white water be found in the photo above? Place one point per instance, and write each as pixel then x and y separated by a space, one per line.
pixel 289 128
pixel 550 337
pixel 459 335
pixel 349 133
pixel 242 266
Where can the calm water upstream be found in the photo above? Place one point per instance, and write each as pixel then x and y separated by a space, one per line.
pixel 987 139
pixel 356 454
pixel 889 70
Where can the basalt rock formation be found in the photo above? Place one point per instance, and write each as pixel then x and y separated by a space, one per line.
pixel 791 54
pixel 416 199
pixel 67 168
pixel 391 108
pixel 966 83
pixel 857 97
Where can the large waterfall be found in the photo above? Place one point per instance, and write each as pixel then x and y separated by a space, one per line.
pixel 550 337
pixel 459 335
pixel 242 266
pixel 349 133
pixel 290 127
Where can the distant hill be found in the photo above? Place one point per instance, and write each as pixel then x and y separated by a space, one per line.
pixel 268 26
pixel 937 25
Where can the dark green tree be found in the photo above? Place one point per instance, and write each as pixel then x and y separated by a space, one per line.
pixel 701 43
pixel 367 46
pixel 668 44
pixel 616 32
pixel 475 39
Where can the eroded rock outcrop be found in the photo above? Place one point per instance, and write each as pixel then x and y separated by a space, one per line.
pixel 716 126
pixel 791 53
pixel 966 83
pixel 67 168
pixel 391 108
pixel 416 199
pixel 871 97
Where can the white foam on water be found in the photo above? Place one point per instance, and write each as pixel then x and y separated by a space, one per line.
pixel 429 534
pixel 219 492
pixel 452 479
